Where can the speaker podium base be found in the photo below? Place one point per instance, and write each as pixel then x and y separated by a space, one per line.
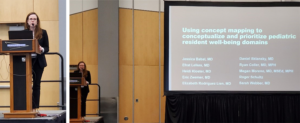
pixel 76 120
pixel 20 115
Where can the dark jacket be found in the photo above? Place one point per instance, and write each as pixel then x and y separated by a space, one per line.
pixel 86 89
pixel 44 42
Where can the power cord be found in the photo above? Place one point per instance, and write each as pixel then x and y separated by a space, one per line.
pixel 3 58
pixel 33 74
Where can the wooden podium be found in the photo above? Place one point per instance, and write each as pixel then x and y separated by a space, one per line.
pixel 76 81
pixel 20 76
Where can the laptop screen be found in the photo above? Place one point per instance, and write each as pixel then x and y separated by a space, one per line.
pixel 20 35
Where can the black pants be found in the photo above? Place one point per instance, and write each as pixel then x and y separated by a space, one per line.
pixel 83 103
pixel 36 89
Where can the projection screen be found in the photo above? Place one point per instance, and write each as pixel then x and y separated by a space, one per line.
pixel 232 47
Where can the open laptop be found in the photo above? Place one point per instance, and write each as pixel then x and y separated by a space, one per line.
pixel 20 35
pixel 75 74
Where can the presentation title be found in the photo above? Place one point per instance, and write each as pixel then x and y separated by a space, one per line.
pixel 230 36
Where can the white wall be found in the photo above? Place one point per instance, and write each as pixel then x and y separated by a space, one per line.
pixel 154 5
pixel 77 6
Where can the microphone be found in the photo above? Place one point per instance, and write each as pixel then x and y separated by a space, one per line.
pixel 32 24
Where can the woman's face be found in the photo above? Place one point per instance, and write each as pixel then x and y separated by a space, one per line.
pixel 81 66
pixel 32 19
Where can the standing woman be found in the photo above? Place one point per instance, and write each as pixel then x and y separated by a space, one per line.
pixel 33 24
pixel 81 68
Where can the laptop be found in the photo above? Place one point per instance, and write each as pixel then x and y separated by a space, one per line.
pixel 75 74
pixel 20 35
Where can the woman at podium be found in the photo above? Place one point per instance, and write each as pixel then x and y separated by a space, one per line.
pixel 81 68
pixel 38 60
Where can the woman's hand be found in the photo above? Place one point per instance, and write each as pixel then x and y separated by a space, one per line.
pixel 41 49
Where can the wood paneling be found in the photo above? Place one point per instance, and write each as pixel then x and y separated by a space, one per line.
pixel 125 93
pixel 52 60
pixel 92 106
pixel 146 66
pixel 125 65
pixel 4 63
pixel 162 38
pixel 146 81
pixel 75 38
pixel 146 34
pixel 50 91
pixel 4 31
pixel 46 9
pixel 52 30
pixel 94 77
pixel 90 37
pixel 90 55
pixel 15 10
pixel 49 94
pixel 5 98
pixel 125 37
pixel 162 97
pixel 4 68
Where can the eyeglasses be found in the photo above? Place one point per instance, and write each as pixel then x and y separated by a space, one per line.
pixel 32 18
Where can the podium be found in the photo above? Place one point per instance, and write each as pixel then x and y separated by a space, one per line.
pixel 20 76
pixel 76 81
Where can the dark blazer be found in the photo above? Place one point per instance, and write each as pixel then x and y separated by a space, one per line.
pixel 44 42
pixel 86 89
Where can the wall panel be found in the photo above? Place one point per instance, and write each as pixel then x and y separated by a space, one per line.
pixel 46 9
pixel 90 37
pixel 4 59
pixel 146 83
pixel 146 38
pixel 125 37
pixel 125 65
pixel 50 91
pixel 125 93
pixel 76 38
pixel 162 97
pixel 15 10
pixel 162 43
pixel 5 98
pixel 92 106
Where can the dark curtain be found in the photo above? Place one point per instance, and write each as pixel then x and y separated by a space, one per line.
pixel 241 108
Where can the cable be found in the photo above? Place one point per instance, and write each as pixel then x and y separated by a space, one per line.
pixel 35 59
pixel 1 67
pixel 33 74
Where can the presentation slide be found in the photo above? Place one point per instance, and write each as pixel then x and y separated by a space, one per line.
pixel 215 48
